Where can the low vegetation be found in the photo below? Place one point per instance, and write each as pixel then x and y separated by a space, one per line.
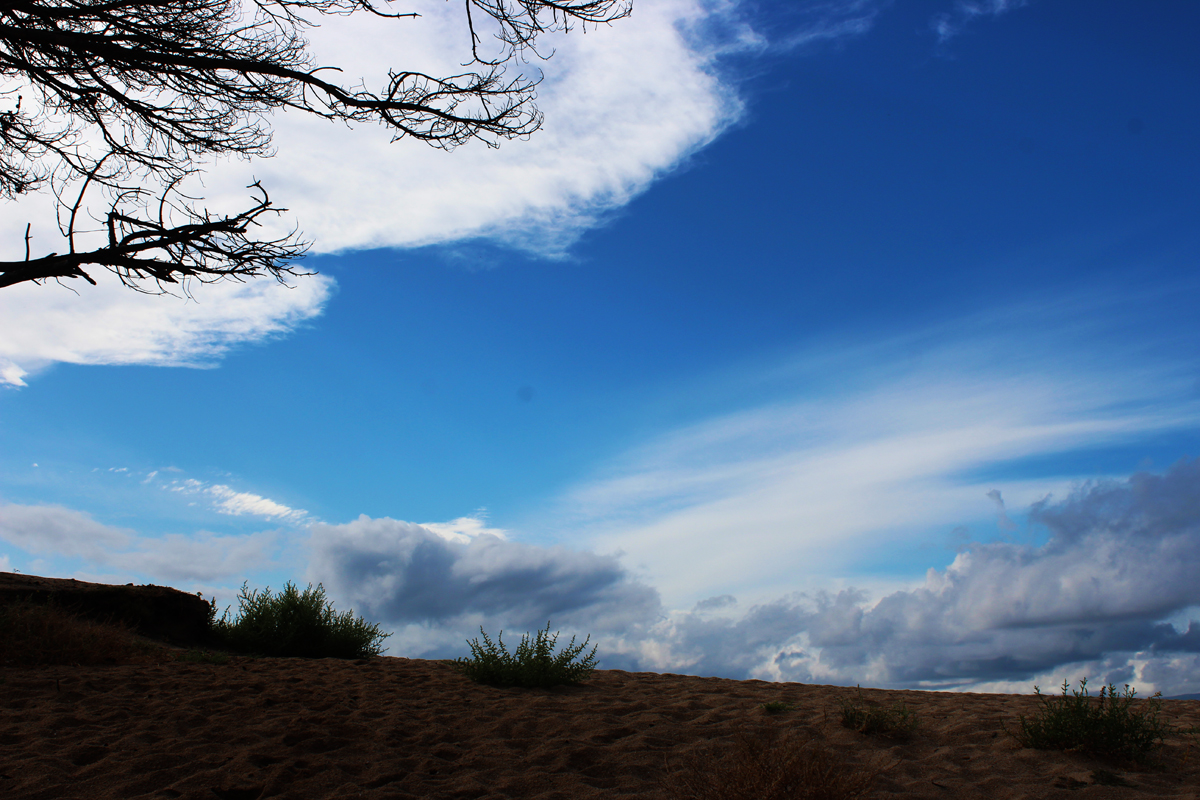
pixel 297 624
pixel 778 707
pixel 533 665
pixel 770 768
pixel 38 634
pixel 1113 724
pixel 203 657
pixel 897 721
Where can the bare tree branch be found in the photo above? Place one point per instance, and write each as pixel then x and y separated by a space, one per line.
pixel 107 93
pixel 203 248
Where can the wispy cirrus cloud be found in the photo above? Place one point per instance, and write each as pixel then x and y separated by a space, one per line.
pixel 867 446
pixel 225 500
pixel 806 24
pixel 948 24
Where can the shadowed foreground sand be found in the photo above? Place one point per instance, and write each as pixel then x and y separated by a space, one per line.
pixel 400 728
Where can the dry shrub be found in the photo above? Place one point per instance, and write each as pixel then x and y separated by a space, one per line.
pixel 34 634
pixel 767 766
pixel 865 716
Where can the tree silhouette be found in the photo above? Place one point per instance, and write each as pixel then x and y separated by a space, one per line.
pixel 127 97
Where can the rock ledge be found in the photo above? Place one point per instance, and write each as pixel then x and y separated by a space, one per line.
pixel 157 612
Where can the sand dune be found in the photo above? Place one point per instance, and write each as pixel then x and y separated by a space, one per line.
pixel 400 728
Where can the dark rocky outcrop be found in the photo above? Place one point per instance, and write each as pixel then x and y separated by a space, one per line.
pixel 156 612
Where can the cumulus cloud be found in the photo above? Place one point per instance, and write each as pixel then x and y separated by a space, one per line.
pixel 110 324
pixel 402 573
pixel 47 530
pixel 1121 560
pixel 949 24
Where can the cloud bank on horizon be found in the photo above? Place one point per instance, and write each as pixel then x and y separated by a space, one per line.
pixel 1111 594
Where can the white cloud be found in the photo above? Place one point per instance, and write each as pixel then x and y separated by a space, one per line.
pixel 464 529
pixel 226 500
pixel 1110 595
pixel 110 324
pixel 622 103
pixel 245 503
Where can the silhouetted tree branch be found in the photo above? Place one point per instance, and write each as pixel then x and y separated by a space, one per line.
pixel 119 95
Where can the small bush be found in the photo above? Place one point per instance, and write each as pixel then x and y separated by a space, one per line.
pixel 533 665
pixel 762 768
pixel 296 624
pixel 897 722
pixel 35 634
pixel 777 707
pixel 1107 725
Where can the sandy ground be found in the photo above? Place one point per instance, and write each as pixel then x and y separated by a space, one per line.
pixel 401 728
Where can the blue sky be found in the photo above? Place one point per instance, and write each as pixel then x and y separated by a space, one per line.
pixel 844 342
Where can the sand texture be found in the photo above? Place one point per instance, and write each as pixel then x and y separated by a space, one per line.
pixel 400 728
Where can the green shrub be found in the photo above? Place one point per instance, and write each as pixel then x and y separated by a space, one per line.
pixel 897 722
pixel 532 665
pixel 1107 725
pixel 777 707
pixel 295 623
